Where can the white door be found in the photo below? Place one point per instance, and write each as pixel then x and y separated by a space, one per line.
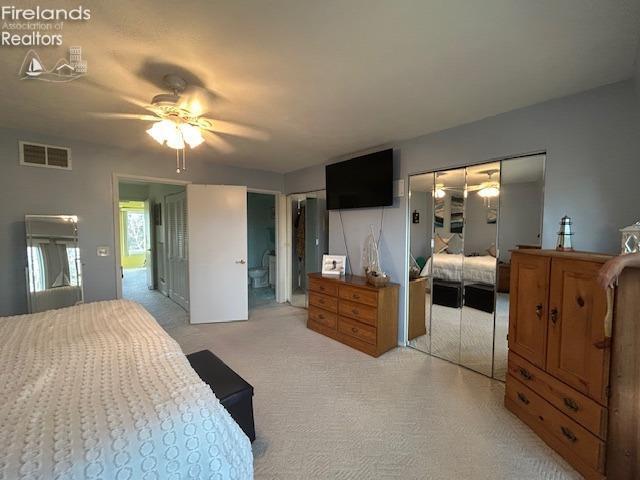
pixel 177 247
pixel 217 253
pixel 148 242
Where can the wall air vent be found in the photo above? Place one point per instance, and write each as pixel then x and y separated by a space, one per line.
pixel 49 156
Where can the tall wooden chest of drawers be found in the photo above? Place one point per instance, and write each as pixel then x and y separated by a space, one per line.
pixel 561 325
pixel 353 312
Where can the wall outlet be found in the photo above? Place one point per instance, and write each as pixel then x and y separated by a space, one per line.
pixel 103 251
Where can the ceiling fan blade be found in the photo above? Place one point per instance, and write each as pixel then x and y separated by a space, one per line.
pixel 217 142
pixel 235 129
pixel 125 116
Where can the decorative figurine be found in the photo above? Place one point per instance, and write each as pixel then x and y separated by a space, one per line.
pixel 630 239
pixel 565 243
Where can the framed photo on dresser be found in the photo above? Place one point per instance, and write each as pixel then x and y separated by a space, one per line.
pixel 333 264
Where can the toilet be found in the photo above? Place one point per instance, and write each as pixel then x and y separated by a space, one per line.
pixel 261 276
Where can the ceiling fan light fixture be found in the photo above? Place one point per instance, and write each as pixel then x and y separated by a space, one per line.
pixel 191 135
pixel 174 138
pixel 439 192
pixel 157 132
pixel 489 192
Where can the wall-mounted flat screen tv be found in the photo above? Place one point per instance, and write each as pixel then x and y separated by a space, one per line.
pixel 365 181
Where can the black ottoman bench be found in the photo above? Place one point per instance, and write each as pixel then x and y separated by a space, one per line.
pixel 446 293
pixel 480 296
pixel 234 393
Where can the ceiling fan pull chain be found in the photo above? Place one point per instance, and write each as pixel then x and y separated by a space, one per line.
pixel 184 159
pixel 177 161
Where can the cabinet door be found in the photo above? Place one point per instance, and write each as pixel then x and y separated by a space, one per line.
pixel 528 307
pixel 576 352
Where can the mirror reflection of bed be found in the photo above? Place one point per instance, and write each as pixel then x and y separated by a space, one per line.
pixel 463 224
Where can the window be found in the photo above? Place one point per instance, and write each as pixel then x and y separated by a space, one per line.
pixel 135 238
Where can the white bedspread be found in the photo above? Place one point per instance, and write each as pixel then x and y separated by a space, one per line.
pixel 101 391
pixel 455 267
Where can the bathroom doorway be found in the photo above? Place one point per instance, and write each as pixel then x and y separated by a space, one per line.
pixel 261 249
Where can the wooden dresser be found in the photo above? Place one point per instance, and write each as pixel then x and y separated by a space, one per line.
pixel 560 345
pixel 353 312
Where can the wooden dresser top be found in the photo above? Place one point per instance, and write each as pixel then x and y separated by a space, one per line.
pixel 585 256
pixel 355 280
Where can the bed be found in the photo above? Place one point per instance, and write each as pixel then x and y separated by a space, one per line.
pixel 101 391
pixel 449 267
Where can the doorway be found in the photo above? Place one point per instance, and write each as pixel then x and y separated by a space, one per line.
pixel 152 247
pixel 261 249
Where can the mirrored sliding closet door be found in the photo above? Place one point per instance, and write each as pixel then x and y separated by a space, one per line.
pixel 463 224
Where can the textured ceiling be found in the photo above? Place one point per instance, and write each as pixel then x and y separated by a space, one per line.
pixel 322 79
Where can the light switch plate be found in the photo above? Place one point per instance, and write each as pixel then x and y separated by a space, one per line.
pixel 398 188
pixel 103 251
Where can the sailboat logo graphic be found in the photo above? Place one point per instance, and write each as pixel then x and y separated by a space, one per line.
pixel 64 70
pixel 34 68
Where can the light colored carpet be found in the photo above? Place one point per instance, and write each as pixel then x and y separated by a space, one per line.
pixel 167 313
pixel 325 411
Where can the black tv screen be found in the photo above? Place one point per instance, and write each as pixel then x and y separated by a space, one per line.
pixel 365 181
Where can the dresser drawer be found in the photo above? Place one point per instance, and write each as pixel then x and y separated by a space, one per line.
pixel 359 295
pixel 360 312
pixel 323 301
pixel 539 413
pixel 323 317
pixel 357 330
pixel 323 286
pixel 579 407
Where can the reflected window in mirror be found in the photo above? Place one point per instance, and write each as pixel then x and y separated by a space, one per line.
pixel 54 274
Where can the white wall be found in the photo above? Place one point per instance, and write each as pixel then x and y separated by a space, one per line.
pixel 592 141
pixel 85 191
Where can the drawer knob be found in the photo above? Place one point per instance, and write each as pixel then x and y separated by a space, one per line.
pixel 523 398
pixel 526 374
pixel 321 317
pixel 322 288
pixel 321 301
pixel 569 434
pixel 539 310
pixel 356 296
pixel 571 404
pixel 355 311
pixel 354 329
pixel 554 315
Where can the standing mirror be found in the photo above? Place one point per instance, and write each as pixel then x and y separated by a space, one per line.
pixel 421 232
pixel 54 277
pixel 479 267
pixel 446 263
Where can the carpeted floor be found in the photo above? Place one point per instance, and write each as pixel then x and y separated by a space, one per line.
pixel 168 313
pixel 324 410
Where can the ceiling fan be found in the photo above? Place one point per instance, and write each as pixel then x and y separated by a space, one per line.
pixel 488 189
pixel 179 121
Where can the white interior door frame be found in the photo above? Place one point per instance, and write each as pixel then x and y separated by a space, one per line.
pixel 115 192
pixel 281 239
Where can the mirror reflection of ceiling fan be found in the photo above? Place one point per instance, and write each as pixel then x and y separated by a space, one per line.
pixel 179 121
pixel 487 189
